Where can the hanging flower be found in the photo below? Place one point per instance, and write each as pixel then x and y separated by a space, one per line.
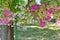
pixel 54 7
pixel 7 12
pixel 42 23
pixel 48 8
pixel 34 7
pixel 7 20
pixel 45 3
pixel 7 15
pixel 47 18
pixel 58 7
pixel 51 11
pixel 47 14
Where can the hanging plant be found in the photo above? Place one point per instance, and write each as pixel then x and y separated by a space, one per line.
pixel 6 16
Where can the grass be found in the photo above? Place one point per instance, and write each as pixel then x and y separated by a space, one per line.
pixel 36 33
pixel 40 34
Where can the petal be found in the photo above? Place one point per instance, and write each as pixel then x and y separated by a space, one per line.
pixel 7 20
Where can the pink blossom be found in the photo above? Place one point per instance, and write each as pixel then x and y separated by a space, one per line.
pixel 47 14
pixel 51 11
pixel 58 7
pixel 42 23
pixel 34 7
pixel 31 9
pixel 57 22
pixel 7 20
pixel 45 3
pixel 6 12
pixel 47 18
pixel 54 7
pixel 48 8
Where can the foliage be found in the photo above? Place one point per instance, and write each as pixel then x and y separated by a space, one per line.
pixel 23 10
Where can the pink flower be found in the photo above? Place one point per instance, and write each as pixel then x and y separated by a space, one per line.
pixel 51 11
pixel 7 20
pixel 1 20
pixel 47 14
pixel 48 8
pixel 34 7
pixel 54 7
pixel 6 12
pixel 42 24
pixel 45 3
pixel 47 18
pixel 58 7
pixel 31 9
pixel 57 22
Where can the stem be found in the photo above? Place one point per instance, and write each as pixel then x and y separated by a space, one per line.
pixel 16 32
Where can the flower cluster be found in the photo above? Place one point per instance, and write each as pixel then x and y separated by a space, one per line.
pixel 34 7
pixel 44 12
pixel 7 15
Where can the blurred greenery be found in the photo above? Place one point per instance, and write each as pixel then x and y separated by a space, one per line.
pixel 26 15
pixel 39 34
pixel 31 33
